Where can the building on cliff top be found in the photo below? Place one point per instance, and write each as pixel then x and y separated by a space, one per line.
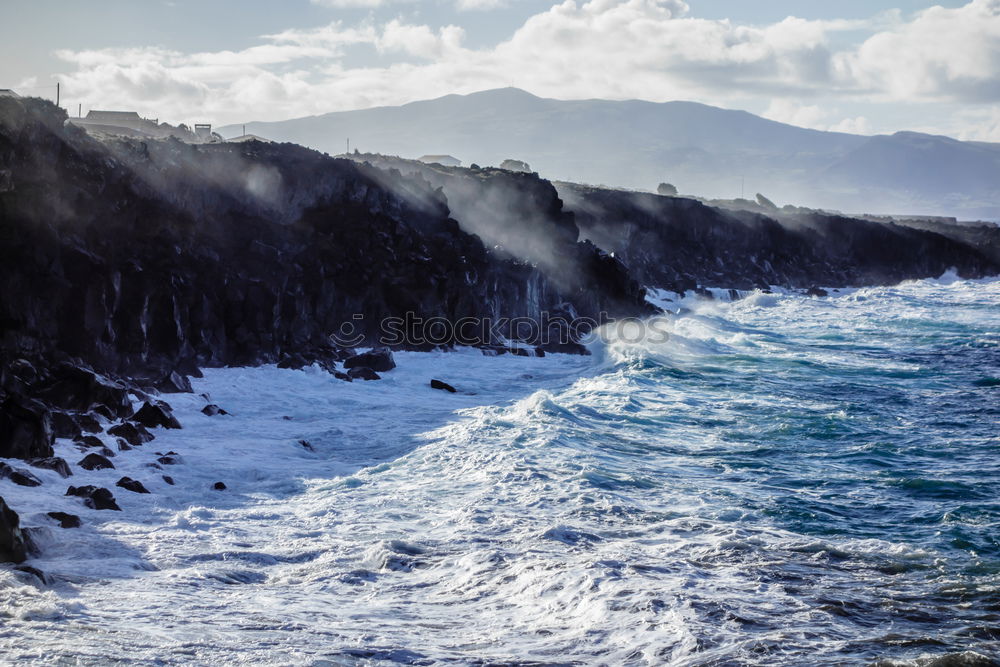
pixel 443 160
pixel 7 92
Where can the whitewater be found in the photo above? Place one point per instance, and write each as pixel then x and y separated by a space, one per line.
pixel 783 480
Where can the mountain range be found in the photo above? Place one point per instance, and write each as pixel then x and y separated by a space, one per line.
pixel 705 151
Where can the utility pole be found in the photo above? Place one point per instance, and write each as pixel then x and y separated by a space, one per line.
pixel 79 111
pixel 244 130
pixel 348 146
pixel 57 93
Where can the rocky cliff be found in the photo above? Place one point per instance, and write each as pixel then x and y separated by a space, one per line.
pixel 679 244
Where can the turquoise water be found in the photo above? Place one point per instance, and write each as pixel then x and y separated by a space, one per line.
pixel 784 480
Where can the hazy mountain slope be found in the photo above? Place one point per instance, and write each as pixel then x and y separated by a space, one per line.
pixel 703 150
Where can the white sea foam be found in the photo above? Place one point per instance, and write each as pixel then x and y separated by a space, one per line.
pixel 605 509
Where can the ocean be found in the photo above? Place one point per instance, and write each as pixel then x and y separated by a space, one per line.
pixel 781 480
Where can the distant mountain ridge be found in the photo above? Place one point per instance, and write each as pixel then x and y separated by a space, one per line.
pixel 704 150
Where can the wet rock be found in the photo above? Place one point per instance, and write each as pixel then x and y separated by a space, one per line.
pixel 539 352
pixel 95 462
pixel 438 384
pixel 219 486
pixel 25 429
pixel 89 441
pixel 33 572
pixel 169 480
pixel 342 376
pixel 53 463
pixel 132 485
pixel 12 545
pixel 66 520
pixel 123 446
pixel 151 416
pixel 18 476
pixel 102 411
pixel 169 460
pixel 519 352
pixel 293 361
pixel 212 410
pixel 175 383
pixel 64 425
pixel 363 373
pixel 72 387
pixel 565 347
pixel 95 497
pixel 817 291
pixel 379 361
pixel 307 445
pixel 134 434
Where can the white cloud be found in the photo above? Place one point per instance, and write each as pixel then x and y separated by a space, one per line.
pixel 603 48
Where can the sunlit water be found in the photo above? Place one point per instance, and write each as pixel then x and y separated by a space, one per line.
pixel 785 480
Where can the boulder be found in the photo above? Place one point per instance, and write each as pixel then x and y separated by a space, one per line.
pixel 95 462
pixel 72 387
pixel 12 545
pixel 377 360
pixel 25 429
pixel 66 520
pixel 342 376
pixel 363 373
pixel 53 463
pixel 293 361
pixel 219 486
pixel 170 459
pixel 438 384
pixel 212 410
pixel 152 415
pixel 169 480
pixel 89 441
pixel 18 476
pixel 123 446
pixel 133 434
pixel 64 426
pixel 816 291
pixel 175 383
pixel 132 485
pixel 94 497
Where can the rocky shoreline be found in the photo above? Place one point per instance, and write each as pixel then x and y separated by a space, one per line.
pixel 126 266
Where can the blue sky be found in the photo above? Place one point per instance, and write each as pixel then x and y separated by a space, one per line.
pixel 874 66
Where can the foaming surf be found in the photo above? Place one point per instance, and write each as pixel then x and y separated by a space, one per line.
pixel 782 479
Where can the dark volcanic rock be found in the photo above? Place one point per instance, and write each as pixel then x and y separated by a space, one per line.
pixel 25 430
pixel 12 544
pixel 678 244
pixel 816 291
pixel 363 373
pixel 212 410
pixel 438 384
pixel 64 425
pixel 168 479
pixel 170 459
pixel 133 434
pixel 18 476
pixel 151 416
pixel 53 463
pixel 66 520
pixel 72 387
pixel 89 441
pixel 130 484
pixel 219 486
pixel 95 497
pixel 175 383
pixel 95 462
pixel 380 361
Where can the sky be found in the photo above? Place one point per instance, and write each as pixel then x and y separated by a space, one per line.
pixel 873 66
